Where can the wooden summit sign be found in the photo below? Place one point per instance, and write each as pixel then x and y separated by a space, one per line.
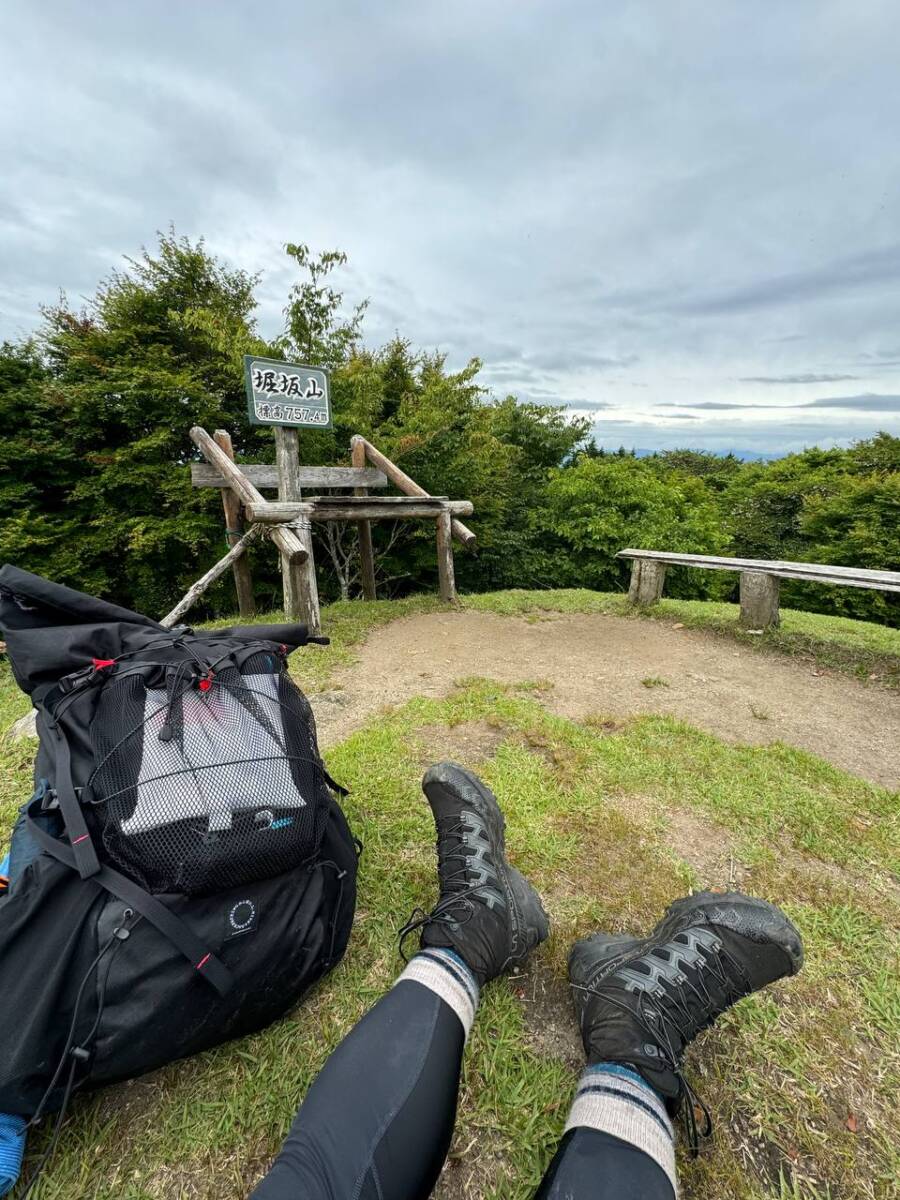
pixel 290 394
pixel 289 520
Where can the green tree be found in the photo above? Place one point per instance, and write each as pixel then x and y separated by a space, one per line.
pixel 94 448
pixel 95 417
pixel 600 506
pixel 443 429
pixel 316 330
pixel 118 387
pixel 836 507
pixel 716 470
pixel 523 551
pixel 764 502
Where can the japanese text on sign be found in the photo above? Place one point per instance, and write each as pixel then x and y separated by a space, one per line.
pixel 289 412
pixel 285 384
pixel 280 393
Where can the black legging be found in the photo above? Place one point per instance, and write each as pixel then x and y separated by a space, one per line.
pixel 377 1121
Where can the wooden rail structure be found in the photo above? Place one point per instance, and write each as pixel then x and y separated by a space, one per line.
pixel 288 520
pixel 760 579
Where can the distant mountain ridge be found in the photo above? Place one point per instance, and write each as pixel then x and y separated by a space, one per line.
pixel 744 455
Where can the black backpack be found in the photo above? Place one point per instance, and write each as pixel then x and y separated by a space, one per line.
pixel 191 874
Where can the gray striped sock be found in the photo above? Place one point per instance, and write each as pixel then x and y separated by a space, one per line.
pixel 616 1100
pixel 445 974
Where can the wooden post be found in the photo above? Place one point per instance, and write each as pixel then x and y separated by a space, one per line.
pixel 759 600
pixel 353 508
pixel 647 579
pixel 196 590
pixel 282 535
pixel 364 528
pixel 446 575
pixel 234 527
pixel 402 481
pixel 301 591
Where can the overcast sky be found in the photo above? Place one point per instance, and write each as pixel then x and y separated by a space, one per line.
pixel 682 219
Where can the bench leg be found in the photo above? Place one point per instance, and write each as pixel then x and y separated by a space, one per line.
pixel 759 600
pixel 647 579
pixel 446 575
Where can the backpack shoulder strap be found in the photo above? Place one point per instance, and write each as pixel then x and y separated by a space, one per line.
pixel 163 919
pixel 86 862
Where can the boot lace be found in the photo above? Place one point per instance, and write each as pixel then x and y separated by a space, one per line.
pixel 455 905
pixel 674 1013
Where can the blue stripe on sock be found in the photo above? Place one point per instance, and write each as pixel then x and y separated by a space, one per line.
pixel 625 1072
pixel 458 958
pixel 461 973
pixel 629 1098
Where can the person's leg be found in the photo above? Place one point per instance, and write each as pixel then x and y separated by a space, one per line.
pixel 636 1162
pixel 640 1002
pixel 590 1165
pixel 377 1122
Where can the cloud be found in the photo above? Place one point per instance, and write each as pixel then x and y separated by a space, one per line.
pixel 870 402
pixel 575 359
pixel 720 405
pixel 582 241
pixel 867 402
pixel 804 378
pixel 874 268
pixel 724 406
pixel 552 398
pixel 724 436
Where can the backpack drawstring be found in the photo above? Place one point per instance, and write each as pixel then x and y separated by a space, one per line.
pixel 166 733
pixel 81 1053
pixel 340 875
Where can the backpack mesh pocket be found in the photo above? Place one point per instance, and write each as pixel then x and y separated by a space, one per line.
pixel 197 791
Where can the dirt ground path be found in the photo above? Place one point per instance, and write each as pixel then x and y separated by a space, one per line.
pixel 597 665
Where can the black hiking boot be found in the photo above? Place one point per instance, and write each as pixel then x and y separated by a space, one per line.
pixel 487 912
pixel 642 1001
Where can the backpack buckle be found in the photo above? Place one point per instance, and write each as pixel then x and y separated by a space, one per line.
pixel 44 793
pixel 77 679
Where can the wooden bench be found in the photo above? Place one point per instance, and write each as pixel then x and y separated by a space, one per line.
pixel 760 579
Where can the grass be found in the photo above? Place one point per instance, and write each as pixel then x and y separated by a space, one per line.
pixel 611 820
pixel 860 648
pixel 655 681
pixel 590 814
pixel 16 758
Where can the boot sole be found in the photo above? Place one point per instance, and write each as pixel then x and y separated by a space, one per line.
pixel 771 926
